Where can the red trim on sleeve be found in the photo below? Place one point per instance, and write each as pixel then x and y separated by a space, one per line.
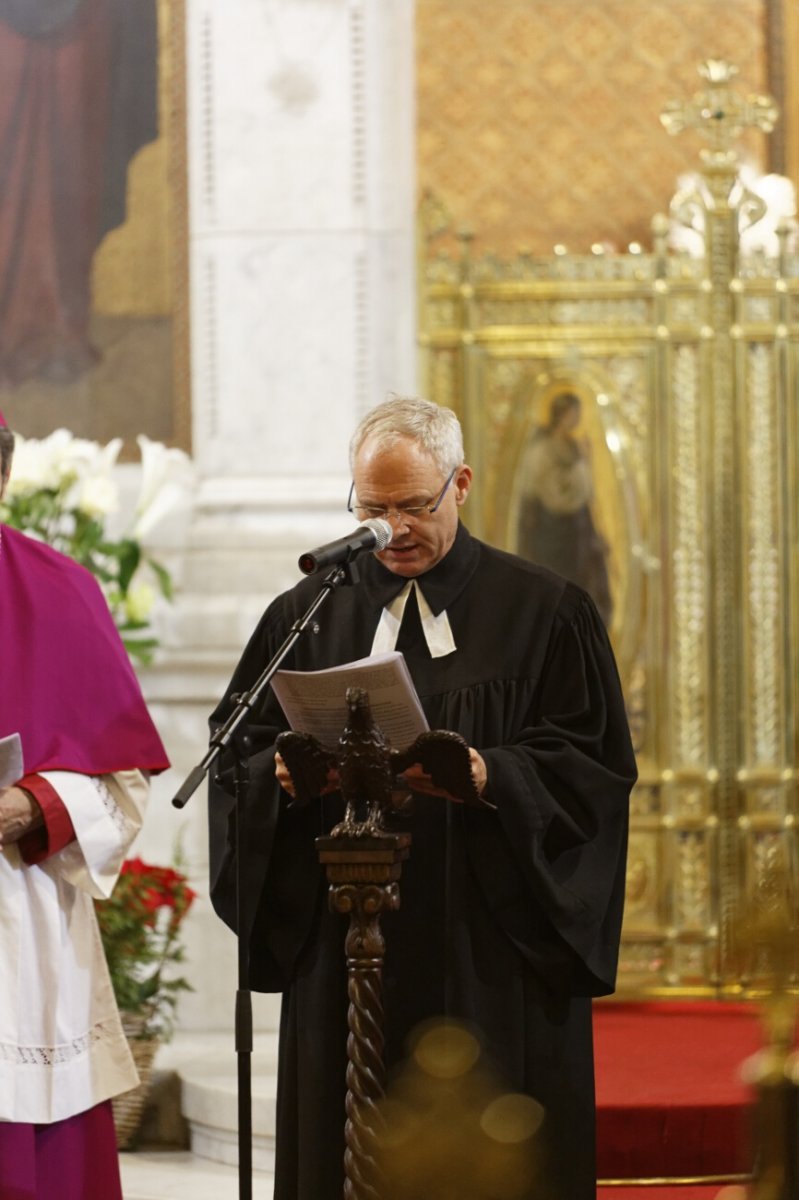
pixel 57 831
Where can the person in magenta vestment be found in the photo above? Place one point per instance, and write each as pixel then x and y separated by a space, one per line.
pixel 78 100
pixel 77 747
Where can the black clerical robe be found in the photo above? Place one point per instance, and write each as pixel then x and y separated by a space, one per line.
pixel 510 916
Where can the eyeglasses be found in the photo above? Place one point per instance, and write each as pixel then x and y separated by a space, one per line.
pixel 411 512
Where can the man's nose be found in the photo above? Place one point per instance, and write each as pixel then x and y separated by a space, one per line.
pixel 399 520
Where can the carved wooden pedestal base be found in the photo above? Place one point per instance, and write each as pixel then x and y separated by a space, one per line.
pixel 363 873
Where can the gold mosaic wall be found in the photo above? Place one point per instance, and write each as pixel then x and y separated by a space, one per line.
pixel 538 120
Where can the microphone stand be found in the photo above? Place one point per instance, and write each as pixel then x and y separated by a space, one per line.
pixel 234 734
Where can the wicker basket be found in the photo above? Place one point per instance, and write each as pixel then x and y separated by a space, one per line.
pixel 128 1107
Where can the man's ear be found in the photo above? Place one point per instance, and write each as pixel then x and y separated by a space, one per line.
pixel 462 481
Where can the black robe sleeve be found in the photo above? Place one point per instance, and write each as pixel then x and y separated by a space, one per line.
pixel 557 847
pixel 284 887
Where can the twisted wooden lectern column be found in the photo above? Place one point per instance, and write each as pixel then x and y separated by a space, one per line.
pixel 363 873
pixel 363 864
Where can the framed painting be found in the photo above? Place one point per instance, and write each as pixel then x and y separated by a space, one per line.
pixel 555 499
pixel 558 473
pixel 93 220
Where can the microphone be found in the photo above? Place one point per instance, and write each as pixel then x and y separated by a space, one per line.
pixel 374 534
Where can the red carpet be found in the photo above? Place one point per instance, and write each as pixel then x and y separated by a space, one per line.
pixel 670 1101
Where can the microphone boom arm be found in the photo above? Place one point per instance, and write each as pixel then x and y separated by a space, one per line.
pixel 246 701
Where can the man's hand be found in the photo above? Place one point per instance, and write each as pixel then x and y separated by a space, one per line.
pixel 283 777
pixel 419 781
pixel 19 814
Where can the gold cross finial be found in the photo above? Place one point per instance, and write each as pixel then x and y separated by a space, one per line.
pixel 719 112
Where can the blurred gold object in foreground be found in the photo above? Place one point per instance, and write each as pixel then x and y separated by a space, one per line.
pixel 450 1131
pixel 768 941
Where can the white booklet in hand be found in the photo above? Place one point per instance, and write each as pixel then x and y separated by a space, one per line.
pixel 11 768
pixel 315 701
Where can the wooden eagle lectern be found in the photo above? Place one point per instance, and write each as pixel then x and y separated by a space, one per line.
pixel 363 862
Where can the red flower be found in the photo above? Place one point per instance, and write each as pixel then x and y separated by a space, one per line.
pixel 139 926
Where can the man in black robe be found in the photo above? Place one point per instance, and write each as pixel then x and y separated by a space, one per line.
pixel 510 914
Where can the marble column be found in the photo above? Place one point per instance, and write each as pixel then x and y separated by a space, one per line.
pixel 301 177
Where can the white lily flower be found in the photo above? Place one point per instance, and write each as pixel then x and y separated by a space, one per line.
pixel 84 459
pixel 167 477
pixel 97 496
pixel 38 462
pixel 31 468
pixel 71 457
pixel 108 455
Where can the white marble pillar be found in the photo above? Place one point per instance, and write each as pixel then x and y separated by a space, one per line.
pixel 301 174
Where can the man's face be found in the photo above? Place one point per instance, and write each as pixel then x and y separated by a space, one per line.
pixel 404 475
